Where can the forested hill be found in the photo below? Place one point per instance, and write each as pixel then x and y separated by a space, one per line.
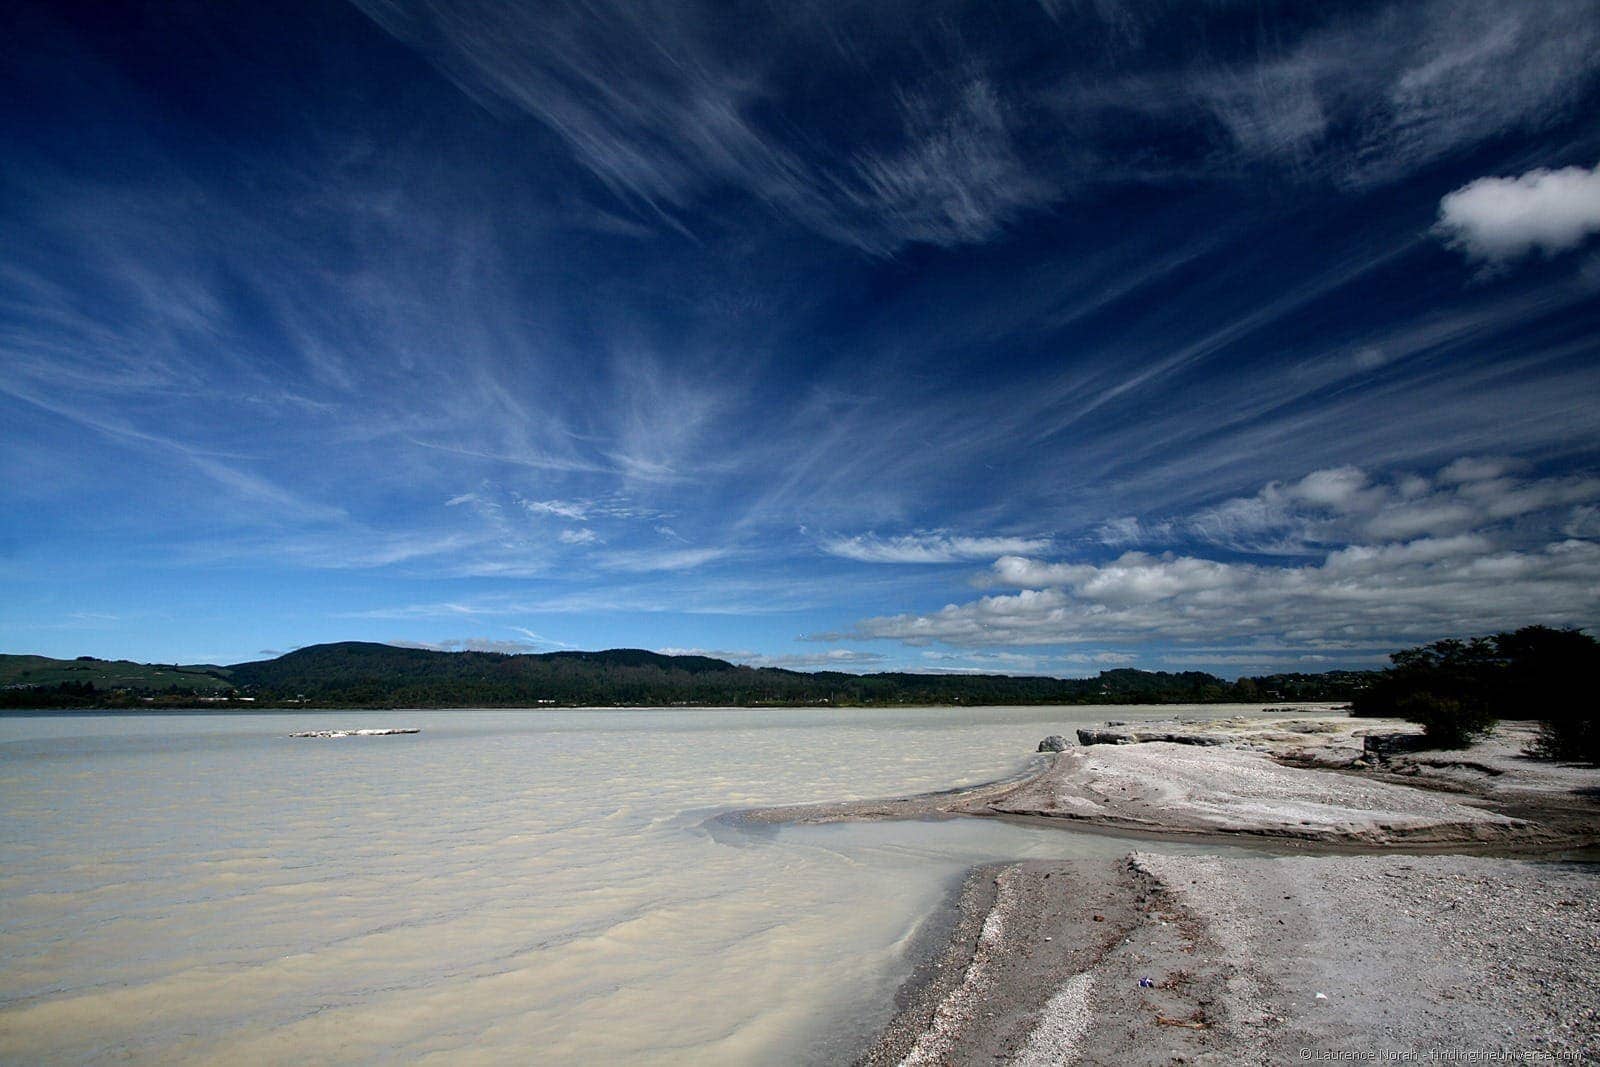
pixel 359 674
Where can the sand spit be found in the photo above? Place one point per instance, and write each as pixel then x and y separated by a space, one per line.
pixel 1315 780
pixel 1420 957
pixel 1176 788
pixel 1384 748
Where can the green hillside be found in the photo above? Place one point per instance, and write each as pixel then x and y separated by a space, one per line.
pixel 362 674
pixel 20 671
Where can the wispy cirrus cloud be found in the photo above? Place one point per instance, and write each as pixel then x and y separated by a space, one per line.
pixel 658 592
pixel 540 639
pixel 665 108
pixel 472 644
pixel 1033 661
pixel 927 547
pixel 957 179
pixel 442 609
pixel 576 510
pixel 640 561
pixel 534 643
pixel 352 546
pixel 834 659
pixel 1362 99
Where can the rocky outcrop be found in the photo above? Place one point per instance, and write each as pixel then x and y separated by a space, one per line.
pixel 1126 735
pixel 1054 743
pixel 1381 746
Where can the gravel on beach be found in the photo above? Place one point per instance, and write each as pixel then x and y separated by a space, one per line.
pixel 1194 959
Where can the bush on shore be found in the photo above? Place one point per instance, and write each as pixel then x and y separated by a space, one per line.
pixel 1457 690
pixel 1446 722
pixel 1552 675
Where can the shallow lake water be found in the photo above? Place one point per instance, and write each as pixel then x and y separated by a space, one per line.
pixel 503 887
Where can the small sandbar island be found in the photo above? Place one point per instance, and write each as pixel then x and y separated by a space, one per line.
pixel 389 731
pixel 1408 905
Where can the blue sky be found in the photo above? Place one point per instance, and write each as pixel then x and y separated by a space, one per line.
pixel 1024 337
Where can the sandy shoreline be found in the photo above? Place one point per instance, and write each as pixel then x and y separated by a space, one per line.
pixel 1335 954
pixel 1453 956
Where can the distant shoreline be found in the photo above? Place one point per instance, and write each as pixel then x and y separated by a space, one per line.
pixel 260 708
pixel 355 674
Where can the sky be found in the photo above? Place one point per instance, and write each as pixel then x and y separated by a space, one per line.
pixel 1024 337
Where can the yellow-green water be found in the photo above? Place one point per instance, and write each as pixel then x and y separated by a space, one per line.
pixel 505 886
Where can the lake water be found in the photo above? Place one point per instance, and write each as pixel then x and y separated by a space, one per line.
pixel 504 887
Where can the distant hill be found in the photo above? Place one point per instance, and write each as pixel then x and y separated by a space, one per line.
pixel 363 674
pixel 108 674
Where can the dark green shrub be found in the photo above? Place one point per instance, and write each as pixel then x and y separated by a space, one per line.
pixel 1550 677
pixel 1446 722
pixel 1575 739
pixel 1458 689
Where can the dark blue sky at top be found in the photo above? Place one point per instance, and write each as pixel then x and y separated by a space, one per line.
pixel 1026 337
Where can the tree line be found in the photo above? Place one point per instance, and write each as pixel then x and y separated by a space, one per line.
pixel 359 674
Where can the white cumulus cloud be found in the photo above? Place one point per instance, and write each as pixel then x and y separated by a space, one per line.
pixel 1501 219
pixel 1354 597
pixel 1382 561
